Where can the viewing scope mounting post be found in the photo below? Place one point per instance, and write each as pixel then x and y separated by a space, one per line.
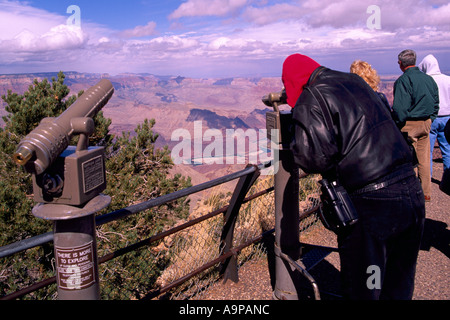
pixel 286 194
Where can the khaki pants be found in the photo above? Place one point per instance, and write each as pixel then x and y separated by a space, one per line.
pixel 418 131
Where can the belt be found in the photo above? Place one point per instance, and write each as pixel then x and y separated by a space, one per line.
pixel 380 185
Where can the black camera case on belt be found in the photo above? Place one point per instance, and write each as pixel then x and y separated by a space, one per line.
pixel 337 210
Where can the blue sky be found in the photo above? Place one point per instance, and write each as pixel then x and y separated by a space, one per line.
pixel 217 38
pixel 119 15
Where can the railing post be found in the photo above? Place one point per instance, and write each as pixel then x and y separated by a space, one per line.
pixel 75 247
pixel 229 266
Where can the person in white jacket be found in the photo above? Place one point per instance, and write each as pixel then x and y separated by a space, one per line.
pixel 430 66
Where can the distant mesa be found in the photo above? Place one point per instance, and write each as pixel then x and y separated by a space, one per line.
pixel 223 82
pixel 167 97
pixel 213 120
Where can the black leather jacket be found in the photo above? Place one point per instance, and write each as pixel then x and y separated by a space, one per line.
pixel 363 145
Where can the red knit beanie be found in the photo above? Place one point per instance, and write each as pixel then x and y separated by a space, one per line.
pixel 297 70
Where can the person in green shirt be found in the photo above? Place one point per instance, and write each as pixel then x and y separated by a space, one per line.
pixel 416 105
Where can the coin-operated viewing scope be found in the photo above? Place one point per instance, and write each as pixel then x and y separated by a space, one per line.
pixel 278 120
pixel 64 174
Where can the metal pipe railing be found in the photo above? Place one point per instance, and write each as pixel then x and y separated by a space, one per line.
pixel 46 282
pixel 25 244
pixel 122 213
pixel 225 255
pixel 297 265
pixel 38 240
pixel 47 237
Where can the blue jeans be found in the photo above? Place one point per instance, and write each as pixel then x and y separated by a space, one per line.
pixel 437 132
pixel 387 236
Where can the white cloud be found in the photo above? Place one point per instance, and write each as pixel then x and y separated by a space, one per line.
pixel 140 31
pixel 225 43
pixel 196 8
pixel 242 34
pixel 57 38
pixel 344 13
pixel 274 13
pixel 172 43
pixel 413 14
pixel 16 17
pixel 24 29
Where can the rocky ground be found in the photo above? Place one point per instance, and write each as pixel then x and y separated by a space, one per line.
pixel 432 280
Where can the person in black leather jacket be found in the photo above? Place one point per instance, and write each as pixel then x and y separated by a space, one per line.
pixel 343 131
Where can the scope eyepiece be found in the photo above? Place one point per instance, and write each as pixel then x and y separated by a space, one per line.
pixel 275 98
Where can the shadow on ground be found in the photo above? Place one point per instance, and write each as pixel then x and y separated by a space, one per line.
pixel 324 273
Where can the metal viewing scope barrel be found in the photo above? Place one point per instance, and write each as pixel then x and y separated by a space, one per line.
pixel 37 151
pixel 275 99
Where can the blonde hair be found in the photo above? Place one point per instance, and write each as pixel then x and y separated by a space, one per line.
pixel 365 71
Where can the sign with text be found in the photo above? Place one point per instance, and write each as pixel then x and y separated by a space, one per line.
pixel 75 267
